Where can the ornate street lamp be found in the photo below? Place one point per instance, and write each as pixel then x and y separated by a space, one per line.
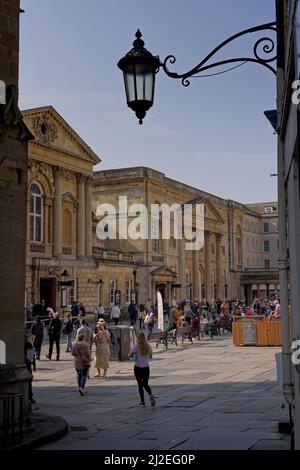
pixel 139 66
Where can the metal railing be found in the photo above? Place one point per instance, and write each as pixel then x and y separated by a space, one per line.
pixel 11 419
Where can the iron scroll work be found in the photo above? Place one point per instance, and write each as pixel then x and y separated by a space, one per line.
pixel 264 45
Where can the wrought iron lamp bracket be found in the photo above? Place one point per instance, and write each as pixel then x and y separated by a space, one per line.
pixel 267 44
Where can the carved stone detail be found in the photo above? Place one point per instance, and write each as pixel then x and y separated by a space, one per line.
pixel 43 168
pixel 61 172
pixel 44 128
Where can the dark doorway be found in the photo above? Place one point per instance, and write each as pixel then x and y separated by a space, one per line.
pixel 48 292
pixel 162 289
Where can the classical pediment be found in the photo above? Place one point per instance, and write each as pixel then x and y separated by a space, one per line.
pixel 212 214
pixel 53 132
pixel 68 197
pixel 163 270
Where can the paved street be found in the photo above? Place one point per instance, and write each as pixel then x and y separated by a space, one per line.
pixel 210 395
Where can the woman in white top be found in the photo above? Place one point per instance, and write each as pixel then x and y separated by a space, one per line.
pixel 141 353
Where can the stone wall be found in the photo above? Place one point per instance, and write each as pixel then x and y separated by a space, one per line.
pixel 13 168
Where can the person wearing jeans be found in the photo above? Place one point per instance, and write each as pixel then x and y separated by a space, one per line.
pixel 82 359
pixel 68 331
pixel 142 353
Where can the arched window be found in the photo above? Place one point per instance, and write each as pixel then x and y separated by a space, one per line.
pixel 67 228
pixel 36 213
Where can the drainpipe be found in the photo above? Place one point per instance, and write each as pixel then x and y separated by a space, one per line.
pixel 287 388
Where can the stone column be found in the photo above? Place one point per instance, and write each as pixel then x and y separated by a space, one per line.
pixel 80 222
pixel 153 296
pixel 196 275
pixel 57 219
pixel 207 235
pixel 88 217
pixel 181 269
pixel 219 264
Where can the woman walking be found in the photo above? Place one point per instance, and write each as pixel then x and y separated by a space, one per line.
pixel 102 341
pixel 150 321
pixel 142 316
pixel 141 353
pixel 68 331
pixel 82 360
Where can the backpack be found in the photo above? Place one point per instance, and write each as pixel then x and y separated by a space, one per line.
pixel 68 328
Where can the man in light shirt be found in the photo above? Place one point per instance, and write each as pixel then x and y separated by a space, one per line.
pixel 87 331
pixel 115 314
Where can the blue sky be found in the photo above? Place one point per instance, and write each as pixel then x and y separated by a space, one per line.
pixel 212 135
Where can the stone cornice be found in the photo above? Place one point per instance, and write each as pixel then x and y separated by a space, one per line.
pixel 90 154
pixel 68 153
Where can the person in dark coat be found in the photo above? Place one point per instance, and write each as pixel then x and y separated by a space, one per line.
pixel 54 336
pixel 132 310
pixel 37 330
pixel 82 309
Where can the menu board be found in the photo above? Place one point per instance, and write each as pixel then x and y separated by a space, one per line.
pixel 249 332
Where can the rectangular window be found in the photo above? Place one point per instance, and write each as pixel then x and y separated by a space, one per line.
pixel 155 246
pixel 277 245
pixel 112 290
pixel 64 299
pixel 72 292
pixel 128 290
pixel 266 227
pixel 267 264
pixel 266 246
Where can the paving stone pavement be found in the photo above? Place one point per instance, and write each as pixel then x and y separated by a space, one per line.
pixel 210 395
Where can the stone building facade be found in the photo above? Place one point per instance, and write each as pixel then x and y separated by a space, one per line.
pixel 59 213
pixel 231 263
pixel 66 260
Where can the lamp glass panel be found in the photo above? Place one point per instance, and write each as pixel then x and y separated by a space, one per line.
pixel 144 82
pixel 129 83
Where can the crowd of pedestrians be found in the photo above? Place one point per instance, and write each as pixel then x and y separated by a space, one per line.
pixel 80 337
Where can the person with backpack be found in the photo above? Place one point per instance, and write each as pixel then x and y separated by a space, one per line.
pixel 68 331
pixel 54 336
pixel 142 353
pixel 142 316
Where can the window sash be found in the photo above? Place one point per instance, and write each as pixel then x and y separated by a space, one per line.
pixel 112 290
pixel 36 219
